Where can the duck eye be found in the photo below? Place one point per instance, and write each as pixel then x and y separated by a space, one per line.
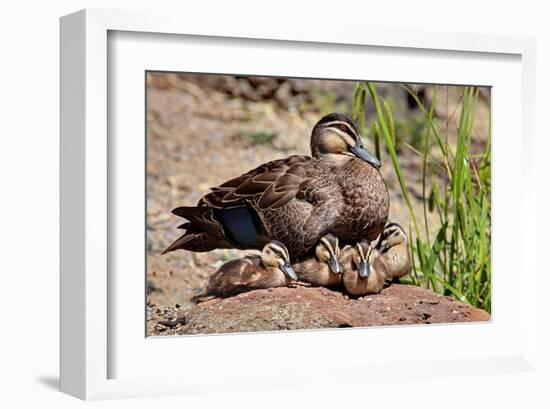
pixel 343 128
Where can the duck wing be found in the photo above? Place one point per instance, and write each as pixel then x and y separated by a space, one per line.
pixel 229 216
pixel 269 186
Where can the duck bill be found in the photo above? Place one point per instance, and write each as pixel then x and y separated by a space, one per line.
pixel 335 265
pixel 364 269
pixel 289 271
pixel 362 153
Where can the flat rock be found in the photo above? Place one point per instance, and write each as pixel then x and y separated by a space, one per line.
pixel 308 308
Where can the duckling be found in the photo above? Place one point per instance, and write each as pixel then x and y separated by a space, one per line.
pixel 295 200
pixel 367 269
pixel 324 269
pixel 392 250
pixel 270 269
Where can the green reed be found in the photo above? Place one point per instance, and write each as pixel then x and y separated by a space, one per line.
pixel 454 257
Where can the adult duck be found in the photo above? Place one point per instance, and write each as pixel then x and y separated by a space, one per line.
pixel 296 200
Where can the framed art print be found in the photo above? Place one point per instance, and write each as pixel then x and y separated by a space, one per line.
pixel 239 202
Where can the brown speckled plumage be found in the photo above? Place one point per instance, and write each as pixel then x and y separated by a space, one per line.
pixel 298 199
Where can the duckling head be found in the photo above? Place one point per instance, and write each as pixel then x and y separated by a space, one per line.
pixel 328 252
pixel 392 235
pixel 275 255
pixel 361 259
pixel 336 134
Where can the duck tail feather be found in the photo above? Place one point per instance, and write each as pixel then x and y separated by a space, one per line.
pixel 198 241
pixel 187 212
pixel 180 243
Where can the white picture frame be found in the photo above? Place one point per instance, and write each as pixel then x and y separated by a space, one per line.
pixel 102 350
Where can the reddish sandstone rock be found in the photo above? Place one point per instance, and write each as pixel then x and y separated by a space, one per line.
pixel 307 308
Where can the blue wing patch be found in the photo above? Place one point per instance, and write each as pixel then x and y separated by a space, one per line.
pixel 239 225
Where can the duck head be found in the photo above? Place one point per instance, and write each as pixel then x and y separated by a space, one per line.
pixel 336 134
pixel 275 255
pixel 361 259
pixel 328 252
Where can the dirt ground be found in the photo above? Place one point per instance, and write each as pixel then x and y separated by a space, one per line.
pixel 203 130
